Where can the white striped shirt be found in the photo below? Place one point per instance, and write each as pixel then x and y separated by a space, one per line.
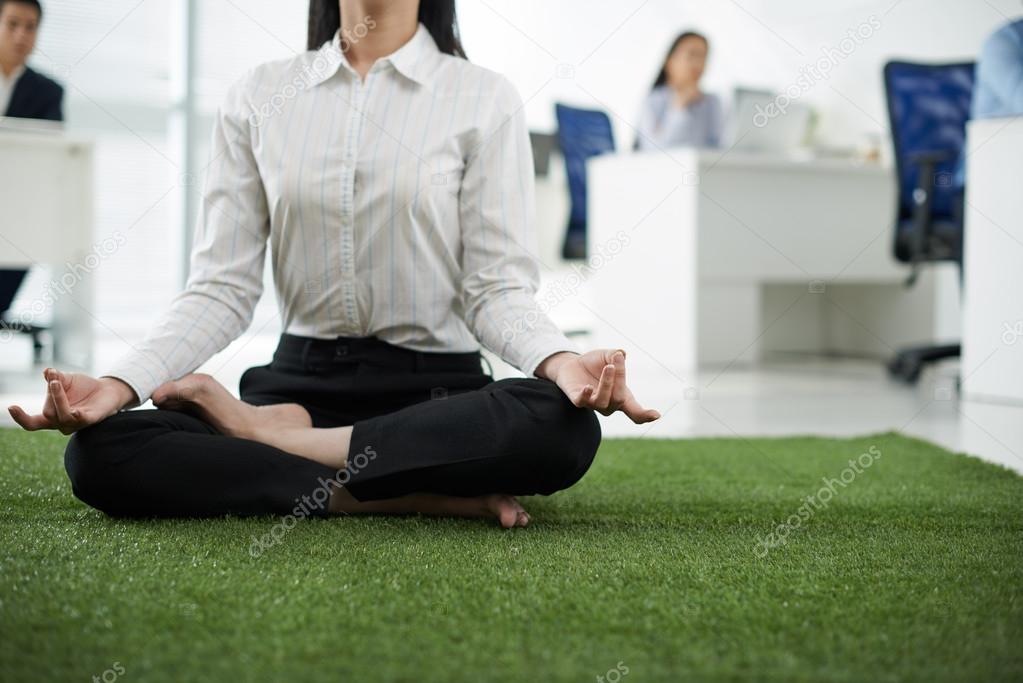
pixel 401 207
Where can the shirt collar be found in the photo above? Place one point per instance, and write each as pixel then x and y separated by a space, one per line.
pixel 407 59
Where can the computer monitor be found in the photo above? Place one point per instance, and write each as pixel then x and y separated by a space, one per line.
pixel 763 121
pixel 543 144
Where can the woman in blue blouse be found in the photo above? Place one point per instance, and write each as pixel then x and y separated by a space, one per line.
pixel 676 112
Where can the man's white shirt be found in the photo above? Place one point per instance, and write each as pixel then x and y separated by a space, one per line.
pixel 7 84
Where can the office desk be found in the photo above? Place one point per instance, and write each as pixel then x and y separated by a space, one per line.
pixel 728 256
pixel 993 261
pixel 47 219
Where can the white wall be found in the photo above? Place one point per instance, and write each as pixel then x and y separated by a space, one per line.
pixel 615 49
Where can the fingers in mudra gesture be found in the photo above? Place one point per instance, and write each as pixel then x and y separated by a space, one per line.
pixel 596 379
pixel 73 401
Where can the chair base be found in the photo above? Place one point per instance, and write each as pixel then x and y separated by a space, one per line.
pixel 907 364
pixel 574 247
pixel 35 331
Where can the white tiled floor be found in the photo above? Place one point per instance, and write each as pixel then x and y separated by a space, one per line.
pixel 793 396
pixel 829 398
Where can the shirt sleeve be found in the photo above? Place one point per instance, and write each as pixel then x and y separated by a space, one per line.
pixel 716 124
pixel 226 275
pixel 1000 70
pixel 663 124
pixel 646 127
pixel 500 270
pixel 55 104
pixel 677 126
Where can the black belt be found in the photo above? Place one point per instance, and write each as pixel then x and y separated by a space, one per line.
pixel 322 354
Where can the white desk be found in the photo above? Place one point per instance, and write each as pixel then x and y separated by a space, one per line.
pixel 46 190
pixel 730 256
pixel 993 262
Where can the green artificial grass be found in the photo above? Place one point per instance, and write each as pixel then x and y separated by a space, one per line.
pixel 653 568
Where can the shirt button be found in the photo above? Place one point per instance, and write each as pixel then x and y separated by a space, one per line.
pixel 341 350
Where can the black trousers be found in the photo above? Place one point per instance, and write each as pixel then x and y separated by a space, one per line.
pixel 422 423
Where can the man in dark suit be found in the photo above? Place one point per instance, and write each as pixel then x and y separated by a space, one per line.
pixel 24 92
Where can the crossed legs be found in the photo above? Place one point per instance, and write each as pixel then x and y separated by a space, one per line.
pixel 205 452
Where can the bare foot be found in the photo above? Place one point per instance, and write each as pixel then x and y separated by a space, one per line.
pixel 505 508
pixel 202 395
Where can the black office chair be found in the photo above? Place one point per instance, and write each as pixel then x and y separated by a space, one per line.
pixel 928 106
pixel 10 282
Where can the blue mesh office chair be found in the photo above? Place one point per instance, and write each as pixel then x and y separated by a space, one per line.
pixel 928 106
pixel 582 133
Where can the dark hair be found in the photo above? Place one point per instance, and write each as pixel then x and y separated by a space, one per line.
pixel 33 3
pixel 662 77
pixel 437 15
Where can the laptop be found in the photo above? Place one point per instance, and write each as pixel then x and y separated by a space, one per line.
pixel 764 121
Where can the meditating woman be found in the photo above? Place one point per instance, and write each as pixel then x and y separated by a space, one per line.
pixel 677 112
pixel 393 180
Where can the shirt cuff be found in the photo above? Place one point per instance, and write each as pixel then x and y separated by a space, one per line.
pixel 541 348
pixel 140 379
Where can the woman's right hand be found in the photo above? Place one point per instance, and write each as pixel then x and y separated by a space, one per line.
pixel 75 401
pixel 686 94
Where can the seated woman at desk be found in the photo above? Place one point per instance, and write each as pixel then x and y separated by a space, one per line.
pixel 676 112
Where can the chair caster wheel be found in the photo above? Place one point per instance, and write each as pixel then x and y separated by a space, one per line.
pixel 905 367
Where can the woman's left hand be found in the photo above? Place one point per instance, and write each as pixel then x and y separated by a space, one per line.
pixel 596 380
